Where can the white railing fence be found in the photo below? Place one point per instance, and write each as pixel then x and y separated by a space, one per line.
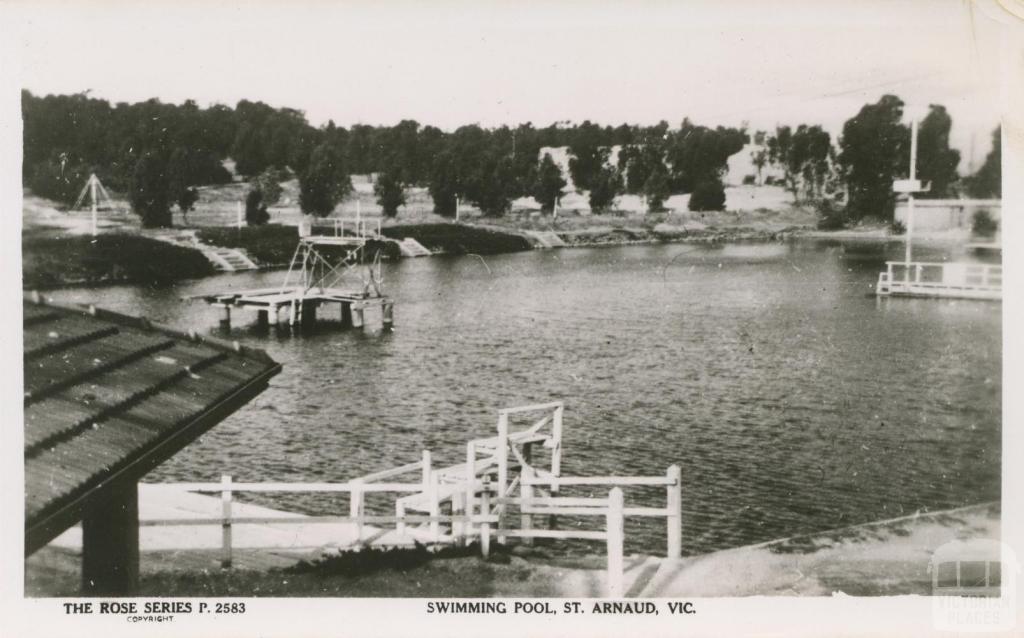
pixel 479 521
pixel 938 277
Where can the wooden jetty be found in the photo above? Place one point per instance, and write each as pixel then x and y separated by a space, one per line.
pixel 326 269
pixel 941 279
pixel 505 482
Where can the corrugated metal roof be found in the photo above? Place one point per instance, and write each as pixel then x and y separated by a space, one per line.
pixel 108 397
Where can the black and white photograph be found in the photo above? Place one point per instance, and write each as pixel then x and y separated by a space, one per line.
pixel 567 318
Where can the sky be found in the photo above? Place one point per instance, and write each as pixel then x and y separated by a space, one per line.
pixel 493 63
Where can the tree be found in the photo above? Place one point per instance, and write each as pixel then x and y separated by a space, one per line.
pixel 444 184
pixel 803 156
pixel 638 162
pixel 548 185
pixel 759 157
pixel 708 195
pixel 589 155
pixel 987 182
pixel 604 188
pixel 656 190
pixel 325 182
pixel 873 151
pixel 697 154
pixel 269 184
pixel 148 193
pixel 255 208
pixel 936 162
pixel 390 193
pixel 179 187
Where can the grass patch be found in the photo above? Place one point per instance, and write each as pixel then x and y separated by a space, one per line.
pixel 458 239
pixel 274 244
pixel 268 245
pixel 49 261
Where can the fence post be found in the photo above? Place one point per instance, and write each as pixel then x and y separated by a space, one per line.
pixel 435 508
pixel 616 532
pixel 355 508
pixel 485 510
pixel 225 527
pixel 400 513
pixel 556 452
pixel 470 486
pixel 426 470
pixel 526 492
pixel 502 452
pixel 674 505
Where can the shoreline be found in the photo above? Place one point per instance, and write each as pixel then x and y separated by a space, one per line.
pixel 879 558
pixel 587 238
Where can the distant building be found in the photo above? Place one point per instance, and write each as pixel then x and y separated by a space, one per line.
pixel 947 214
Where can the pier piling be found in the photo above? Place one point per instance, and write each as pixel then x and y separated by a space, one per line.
pixel 346 315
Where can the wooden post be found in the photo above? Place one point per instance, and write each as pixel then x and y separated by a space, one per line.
pixel 262 318
pixel 388 315
pixel 485 509
pixel 355 508
pixel 616 533
pixel 435 508
pixel 357 316
pixel 308 313
pixel 346 314
pixel 272 312
pixel 674 505
pixel 110 542
pixel 92 192
pixel 457 528
pixel 526 492
pixel 225 317
pixel 426 470
pixel 225 526
pixel 909 230
pixel 556 451
pixel 470 483
pixel 400 513
pixel 502 452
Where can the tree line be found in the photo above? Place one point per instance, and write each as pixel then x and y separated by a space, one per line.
pixel 159 153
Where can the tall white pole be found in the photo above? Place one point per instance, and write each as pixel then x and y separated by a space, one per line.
pixel 910 196
pixel 92 193
pixel 240 216
pixel 456 208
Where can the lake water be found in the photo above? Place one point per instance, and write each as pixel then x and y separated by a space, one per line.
pixel 792 399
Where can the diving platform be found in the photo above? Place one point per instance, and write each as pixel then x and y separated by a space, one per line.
pixel 326 269
pixel 952 280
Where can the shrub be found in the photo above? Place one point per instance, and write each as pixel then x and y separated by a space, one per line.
pixel 831 217
pixel 709 195
pixel 255 210
pixel 983 224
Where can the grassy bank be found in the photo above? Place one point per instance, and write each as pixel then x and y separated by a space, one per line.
pixel 459 239
pixel 268 245
pixel 49 261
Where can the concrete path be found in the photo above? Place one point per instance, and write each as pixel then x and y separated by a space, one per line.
pixel 279 544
